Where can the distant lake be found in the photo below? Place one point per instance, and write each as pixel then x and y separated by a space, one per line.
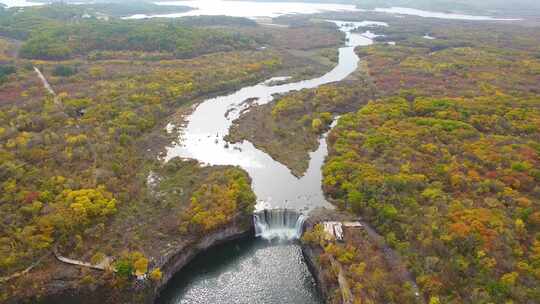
pixel 252 9
pixel 19 3
pixel 439 15
pixel 249 9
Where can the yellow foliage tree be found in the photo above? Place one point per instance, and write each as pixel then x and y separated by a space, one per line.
pixel 141 266
pixel 156 275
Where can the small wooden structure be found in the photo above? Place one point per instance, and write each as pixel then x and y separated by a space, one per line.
pixel 353 224
pixel 335 229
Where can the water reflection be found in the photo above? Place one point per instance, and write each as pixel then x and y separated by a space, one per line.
pixel 249 9
pixel 256 272
pixel 245 272
pixel 19 3
pixel 439 15
pixel 273 183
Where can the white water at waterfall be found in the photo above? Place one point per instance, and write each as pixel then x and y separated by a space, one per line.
pixel 263 272
pixel 283 224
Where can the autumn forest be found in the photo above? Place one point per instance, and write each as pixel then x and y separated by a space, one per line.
pixel 432 144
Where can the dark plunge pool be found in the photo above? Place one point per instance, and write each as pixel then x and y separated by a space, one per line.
pixel 246 271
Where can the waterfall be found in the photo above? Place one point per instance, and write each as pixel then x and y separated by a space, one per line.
pixel 282 224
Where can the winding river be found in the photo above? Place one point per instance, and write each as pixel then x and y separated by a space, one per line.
pixel 259 271
pixel 265 270
pixel 273 183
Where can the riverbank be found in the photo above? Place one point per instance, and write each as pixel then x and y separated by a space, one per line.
pixel 178 259
pixel 141 291
pixel 267 269
pixel 289 127
pixel 325 284
pixel 172 230
pixel 63 287
pixel 202 139
pixel 352 262
pixel 118 104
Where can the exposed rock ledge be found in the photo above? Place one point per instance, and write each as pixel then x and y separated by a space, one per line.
pixel 311 253
pixel 310 256
pixel 182 257
pixel 330 287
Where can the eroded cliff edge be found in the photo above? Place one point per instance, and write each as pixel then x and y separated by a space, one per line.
pixel 351 262
pixel 64 288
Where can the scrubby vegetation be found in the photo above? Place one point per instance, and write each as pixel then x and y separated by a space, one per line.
pixel 58 32
pixel 486 7
pixel 502 8
pixel 446 165
pixel 64 70
pixel 217 202
pixel 79 171
pixel 47 150
pixel 83 38
pixel 289 127
pixel 464 60
pixel 366 276
pixel 443 162
pixel 74 167
pixel 5 71
pixel 453 186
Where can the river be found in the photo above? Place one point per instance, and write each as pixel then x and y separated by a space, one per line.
pixel 261 270
pixel 257 271
pixel 273 183
pixel 247 272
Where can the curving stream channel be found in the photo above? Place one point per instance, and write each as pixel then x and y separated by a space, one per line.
pixel 259 271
